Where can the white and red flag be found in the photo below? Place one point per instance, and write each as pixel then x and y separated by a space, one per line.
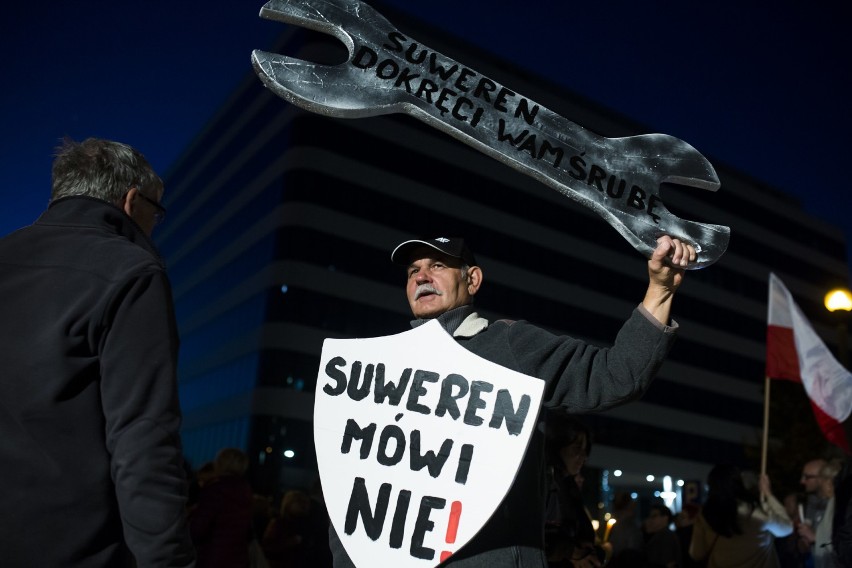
pixel 796 353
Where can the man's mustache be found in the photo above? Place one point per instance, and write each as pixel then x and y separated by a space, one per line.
pixel 426 289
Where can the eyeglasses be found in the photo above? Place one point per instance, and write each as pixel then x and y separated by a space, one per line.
pixel 161 211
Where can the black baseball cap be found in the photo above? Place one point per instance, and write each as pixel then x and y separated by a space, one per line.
pixel 450 246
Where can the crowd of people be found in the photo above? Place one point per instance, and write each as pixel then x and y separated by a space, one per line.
pixel 739 523
pixel 233 527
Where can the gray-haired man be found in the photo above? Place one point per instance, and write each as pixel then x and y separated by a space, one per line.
pixel 89 413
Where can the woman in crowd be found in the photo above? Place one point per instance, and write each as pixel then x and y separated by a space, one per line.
pixel 736 526
pixel 569 535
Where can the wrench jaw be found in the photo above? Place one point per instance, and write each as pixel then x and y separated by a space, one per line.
pixel 650 160
pixel 313 15
pixel 330 90
pixel 672 160
pixel 687 167
pixel 339 18
pixel 625 192
pixel 341 91
pixel 710 241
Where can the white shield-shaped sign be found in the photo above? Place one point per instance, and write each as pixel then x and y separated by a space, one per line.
pixel 418 441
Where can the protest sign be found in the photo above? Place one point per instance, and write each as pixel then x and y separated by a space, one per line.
pixel 418 441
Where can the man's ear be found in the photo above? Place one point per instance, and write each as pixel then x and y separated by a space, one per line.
pixel 474 280
pixel 127 201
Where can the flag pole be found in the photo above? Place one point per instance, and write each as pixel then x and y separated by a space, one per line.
pixel 765 425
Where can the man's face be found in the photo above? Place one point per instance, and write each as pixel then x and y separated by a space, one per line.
pixel 810 476
pixel 436 284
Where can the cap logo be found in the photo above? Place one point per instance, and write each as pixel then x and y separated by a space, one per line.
pixel 442 240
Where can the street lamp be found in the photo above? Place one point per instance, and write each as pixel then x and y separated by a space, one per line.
pixel 840 300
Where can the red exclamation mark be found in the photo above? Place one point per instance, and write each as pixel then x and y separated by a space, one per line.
pixel 452 528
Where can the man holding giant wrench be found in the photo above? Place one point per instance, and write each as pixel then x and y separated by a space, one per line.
pixel 617 178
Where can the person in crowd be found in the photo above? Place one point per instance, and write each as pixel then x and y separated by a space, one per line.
pixel 569 535
pixel 319 555
pixel 684 523
pixel 262 512
pixel 819 539
pixel 442 279
pixel 625 537
pixel 221 522
pixel 205 474
pixel 814 505
pixel 197 479
pixel 662 548
pixel 737 526
pixel 790 553
pixel 90 417
pixel 842 527
pixel 287 539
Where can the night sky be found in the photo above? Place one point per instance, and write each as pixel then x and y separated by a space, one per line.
pixel 764 90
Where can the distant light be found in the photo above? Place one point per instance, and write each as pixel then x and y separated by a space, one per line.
pixel 289 453
pixel 617 473
pixel 268 449
pixel 668 495
pixel 680 483
pixel 634 495
pixel 656 493
pixel 649 478
pixel 284 288
pixel 838 299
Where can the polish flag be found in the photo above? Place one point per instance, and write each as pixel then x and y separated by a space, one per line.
pixel 796 353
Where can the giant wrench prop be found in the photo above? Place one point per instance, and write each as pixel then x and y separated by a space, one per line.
pixel 388 72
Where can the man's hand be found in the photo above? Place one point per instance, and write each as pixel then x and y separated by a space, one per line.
pixel 665 272
pixel 806 534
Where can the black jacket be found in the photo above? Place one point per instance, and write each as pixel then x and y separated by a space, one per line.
pixel 89 415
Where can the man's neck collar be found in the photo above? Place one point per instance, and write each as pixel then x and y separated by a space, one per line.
pixel 449 320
